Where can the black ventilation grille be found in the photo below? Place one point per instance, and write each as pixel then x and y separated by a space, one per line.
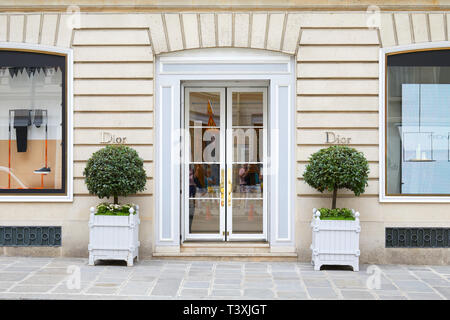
pixel 30 236
pixel 417 237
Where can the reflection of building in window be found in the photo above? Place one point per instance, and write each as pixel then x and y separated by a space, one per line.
pixel 418 123
pixel 32 108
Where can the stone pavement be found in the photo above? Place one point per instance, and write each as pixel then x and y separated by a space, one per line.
pixel 54 278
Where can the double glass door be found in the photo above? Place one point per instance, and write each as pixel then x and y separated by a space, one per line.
pixel 224 195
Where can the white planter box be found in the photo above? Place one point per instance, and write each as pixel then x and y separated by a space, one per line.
pixel 114 237
pixel 335 242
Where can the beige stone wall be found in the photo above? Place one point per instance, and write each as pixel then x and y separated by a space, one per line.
pixel 337 90
pixel 113 92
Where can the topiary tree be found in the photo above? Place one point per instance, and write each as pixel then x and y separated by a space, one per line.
pixel 337 167
pixel 115 170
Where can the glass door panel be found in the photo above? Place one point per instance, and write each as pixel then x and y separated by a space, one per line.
pixel 248 216
pixel 246 146
pixel 204 174
pixel 225 145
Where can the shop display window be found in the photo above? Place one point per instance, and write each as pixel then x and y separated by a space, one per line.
pixel 32 122
pixel 418 123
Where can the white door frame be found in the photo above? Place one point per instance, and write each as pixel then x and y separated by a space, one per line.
pixel 225 64
pixel 225 164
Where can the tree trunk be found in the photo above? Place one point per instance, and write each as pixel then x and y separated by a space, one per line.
pixel 333 204
pixel 116 199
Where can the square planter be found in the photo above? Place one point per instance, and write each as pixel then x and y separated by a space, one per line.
pixel 335 242
pixel 114 237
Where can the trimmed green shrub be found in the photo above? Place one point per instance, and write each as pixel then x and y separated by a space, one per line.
pixel 336 214
pixel 337 167
pixel 115 170
pixel 110 209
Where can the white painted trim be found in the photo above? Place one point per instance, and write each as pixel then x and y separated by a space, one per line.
pixel 290 222
pixel 416 46
pixel 159 198
pixel 69 125
pixel 224 56
pixel 177 81
pixel 382 136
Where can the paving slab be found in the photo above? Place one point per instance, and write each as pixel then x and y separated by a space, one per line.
pixel 444 291
pixel 350 283
pixel 441 269
pixel 292 295
pixel 258 284
pixel 392 297
pixel 316 282
pixel 135 288
pixel 30 289
pixel 441 282
pixel 227 281
pixel 322 293
pixel 13 276
pixel 37 278
pixel 413 286
pixel 423 296
pixel 165 287
pixel 427 275
pixel 259 293
pixel 226 286
pixel 63 288
pixel 194 292
pixel 357 295
pixel 226 292
pixel 102 290
pixel 196 284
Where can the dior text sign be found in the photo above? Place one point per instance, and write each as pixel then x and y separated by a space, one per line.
pixel 334 138
pixel 110 138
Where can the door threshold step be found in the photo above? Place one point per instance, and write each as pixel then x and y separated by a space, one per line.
pixel 225 247
pixel 239 256
pixel 222 244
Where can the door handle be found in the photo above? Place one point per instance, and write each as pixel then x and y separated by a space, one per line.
pixel 230 186
pixel 222 187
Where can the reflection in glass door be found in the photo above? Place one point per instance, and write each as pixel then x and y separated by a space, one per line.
pixel 246 147
pixel 205 163
pixel 224 197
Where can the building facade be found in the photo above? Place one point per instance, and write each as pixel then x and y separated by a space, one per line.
pixel 240 95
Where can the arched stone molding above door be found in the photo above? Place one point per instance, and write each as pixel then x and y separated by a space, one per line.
pixel 276 31
pixel 403 28
pixel 51 29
